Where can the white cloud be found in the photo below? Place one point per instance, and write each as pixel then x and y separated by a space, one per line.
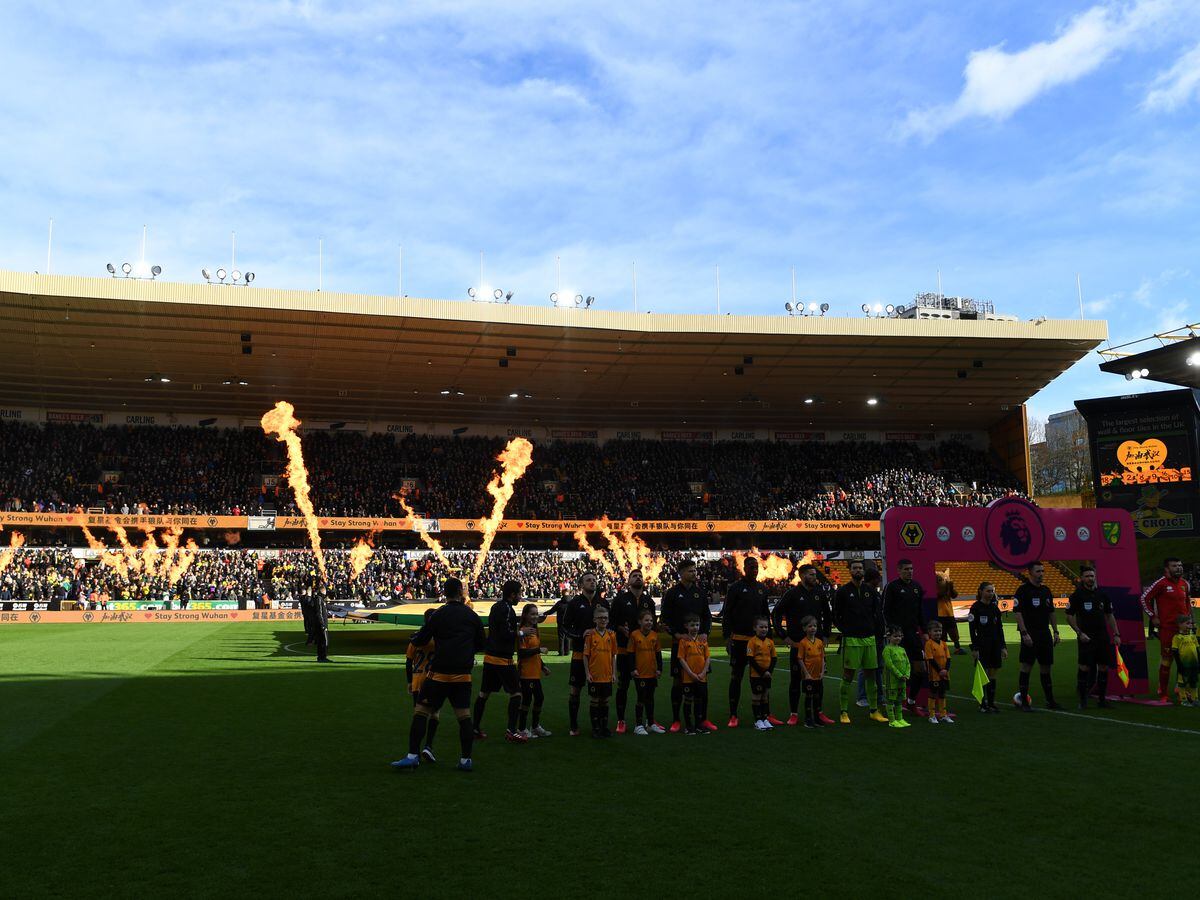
pixel 1177 86
pixel 998 83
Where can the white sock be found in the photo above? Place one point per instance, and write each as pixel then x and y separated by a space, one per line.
pixel 411 756
pixel 463 759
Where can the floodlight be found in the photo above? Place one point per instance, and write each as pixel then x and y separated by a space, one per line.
pixel 824 308
pixel 205 273
pixel 878 308
pixel 126 268
pixel 788 306
pixel 589 301
pixel 808 401
pixel 471 292
pixel 498 294
pixel 236 275
pixel 871 401
pixel 1194 359
pixel 554 298
pixel 889 309
pixel 901 310
pixel 866 309
pixel 249 277
pixel 112 270
pixel 221 274
pixel 508 296
pixel 445 392
pixel 578 299
pixel 164 379
pixel 156 271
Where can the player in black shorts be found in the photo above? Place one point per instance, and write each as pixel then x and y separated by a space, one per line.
pixel 1090 614
pixel 745 602
pixel 627 608
pixel 678 603
pixel 987 640
pixel 457 633
pixel 499 670
pixel 1039 634
pixel 904 608
pixel 577 618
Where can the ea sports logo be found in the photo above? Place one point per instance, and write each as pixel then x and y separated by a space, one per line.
pixel 1060 533
pixel 968 533
pixel 943 533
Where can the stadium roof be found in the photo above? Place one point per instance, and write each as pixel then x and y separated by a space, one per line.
pixel 69 341
pixel 1169 357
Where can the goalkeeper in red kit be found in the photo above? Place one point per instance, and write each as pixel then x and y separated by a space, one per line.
pixel 1164 602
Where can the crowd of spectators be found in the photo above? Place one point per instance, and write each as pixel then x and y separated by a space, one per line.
pixel 127 469
pixel 238 576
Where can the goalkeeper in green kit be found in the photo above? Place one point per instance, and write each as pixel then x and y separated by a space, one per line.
pixel 896 669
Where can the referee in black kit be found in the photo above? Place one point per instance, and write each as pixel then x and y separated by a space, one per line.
pixel 457 633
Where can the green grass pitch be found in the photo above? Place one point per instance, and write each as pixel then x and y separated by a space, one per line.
pixel 209 759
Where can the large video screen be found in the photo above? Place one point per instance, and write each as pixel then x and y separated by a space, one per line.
pixel 1144 453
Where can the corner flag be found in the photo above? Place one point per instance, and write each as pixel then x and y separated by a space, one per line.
pixel 1122 669
pixel 981 678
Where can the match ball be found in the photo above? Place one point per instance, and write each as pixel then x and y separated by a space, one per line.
pixel 1017 701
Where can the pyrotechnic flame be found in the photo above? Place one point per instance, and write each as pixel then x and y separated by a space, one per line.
pixel 614 546
pixel 770 566
pixel 15 542
pixel 149 553
pixel 133 563
pixel 112 559
pixel 640 555
pixel 628 550
pixel 170 549
pixel 808 556
pixel 183 563
pixel 514 460
pixel 593 554
pixel 281 422
pixel 360 554
pixel 426 538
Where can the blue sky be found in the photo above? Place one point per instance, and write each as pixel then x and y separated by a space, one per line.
pixel 1009 145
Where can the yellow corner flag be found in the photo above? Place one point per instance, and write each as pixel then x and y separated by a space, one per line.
pixel 981 679
pixel 1122 669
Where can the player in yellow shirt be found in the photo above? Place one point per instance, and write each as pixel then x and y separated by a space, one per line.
pixel 937 664
pixel 599 659
pixel 761 655
pixel 1186 651
pixel 530 670
pixel 694 663
pixel 646 650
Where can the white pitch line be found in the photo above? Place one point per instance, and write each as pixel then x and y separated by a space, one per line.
pixel 288 648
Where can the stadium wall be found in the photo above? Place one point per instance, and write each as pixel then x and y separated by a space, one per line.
pixel 1009 440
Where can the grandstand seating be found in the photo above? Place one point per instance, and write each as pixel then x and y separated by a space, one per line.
pixel 59 468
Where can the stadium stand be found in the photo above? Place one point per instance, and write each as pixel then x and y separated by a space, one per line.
pixel 62 468
pixel 236 576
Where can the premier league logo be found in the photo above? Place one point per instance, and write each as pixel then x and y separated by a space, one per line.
pixel 1015 533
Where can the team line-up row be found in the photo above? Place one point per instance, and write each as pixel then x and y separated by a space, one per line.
pixel 617 644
